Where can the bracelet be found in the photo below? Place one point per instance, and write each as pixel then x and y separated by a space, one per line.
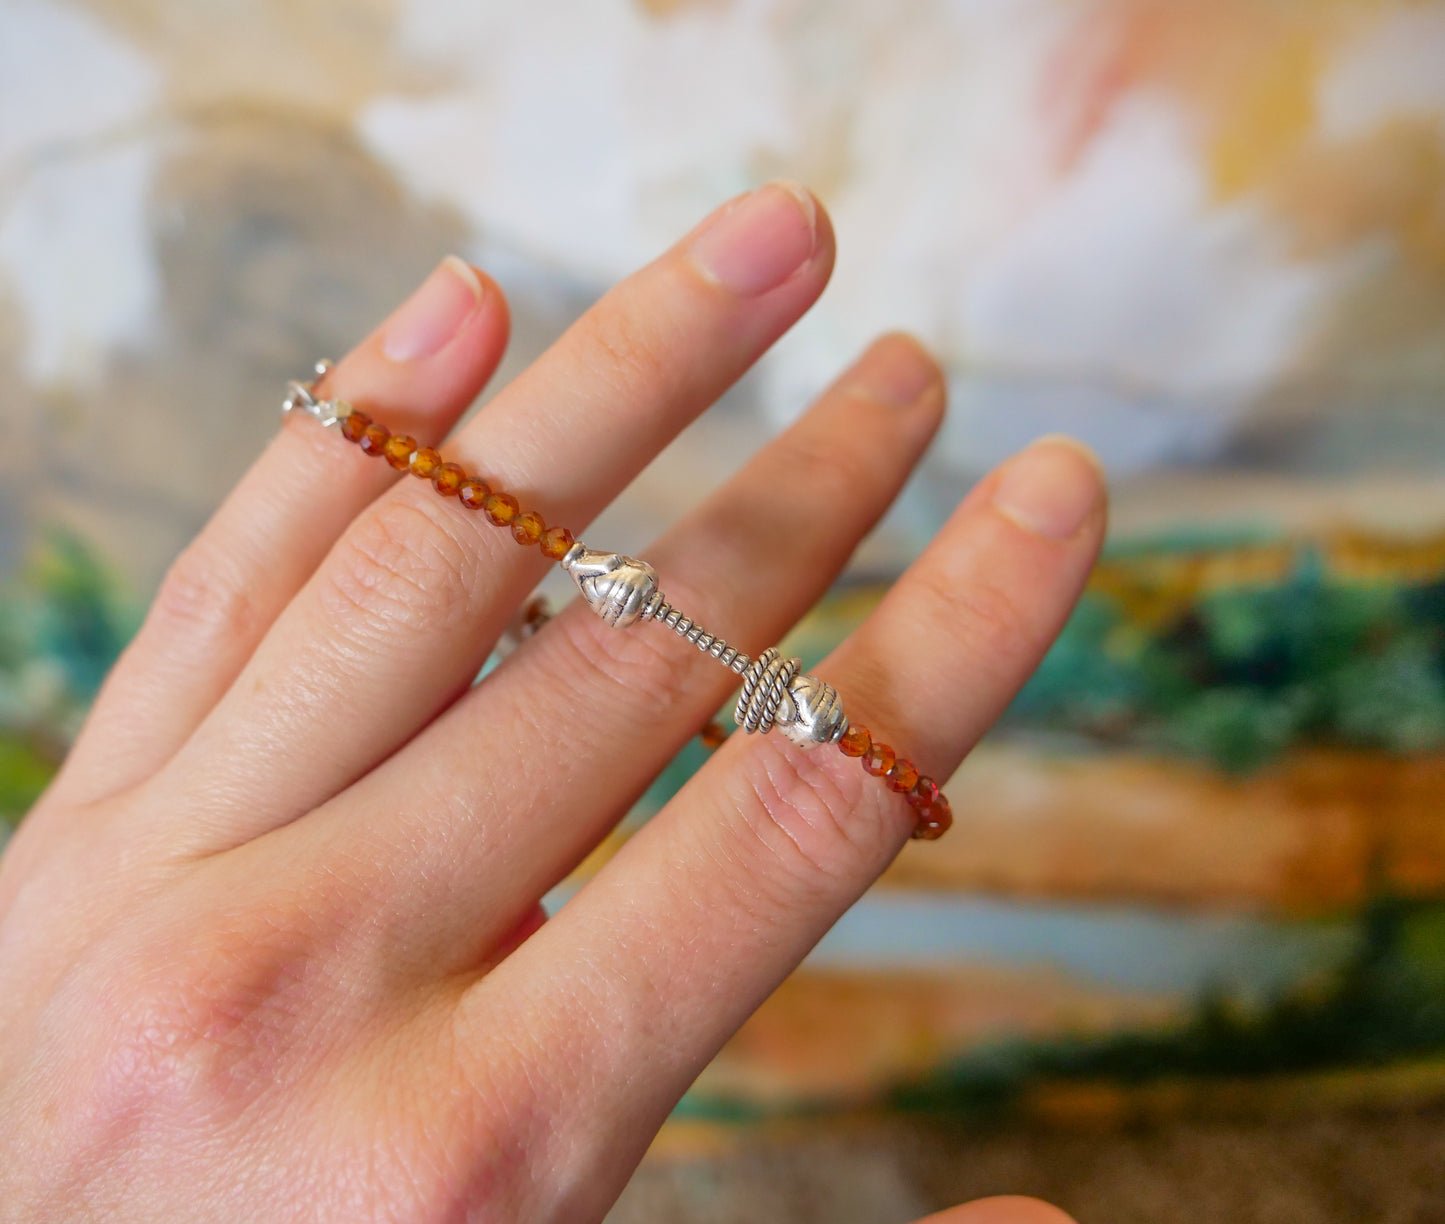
pixel 623 590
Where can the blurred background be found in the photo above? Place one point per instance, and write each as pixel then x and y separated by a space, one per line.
pixel 1183 958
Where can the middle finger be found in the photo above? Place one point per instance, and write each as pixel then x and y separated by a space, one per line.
pixel 456 838
pixel 405 609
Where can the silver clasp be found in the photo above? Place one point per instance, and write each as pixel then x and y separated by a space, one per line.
pixel 302 396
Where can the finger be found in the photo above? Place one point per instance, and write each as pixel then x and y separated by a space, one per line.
pixel 421 367
pixel 705 910
pixel 401 615
pixel 450 881
pixel 1006 1209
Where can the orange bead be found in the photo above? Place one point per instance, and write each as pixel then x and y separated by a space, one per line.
pixel 374 438
pixel 924 792
pixel 713 735
pixel 556 541
pixel 528 528
pixel 934 820
pixel 903 775
pixel 353 426
pixel 878 760
pixel 398 451
pixel 448 479
pixel 855 742
pixel 425 463
pixel 474 493
pixel 502 508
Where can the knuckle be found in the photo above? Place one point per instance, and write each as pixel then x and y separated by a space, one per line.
pixel 629 352
pixel 817 818
pixel 203 1026
pixel 204 593
pixel 980 617
pixel 835 467
pixel 399 567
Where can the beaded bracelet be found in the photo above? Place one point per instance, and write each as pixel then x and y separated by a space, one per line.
pixel 623 590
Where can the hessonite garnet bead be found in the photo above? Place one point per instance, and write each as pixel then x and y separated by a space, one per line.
pixel 425 463
pixel 856 741
pixel 502 508
pixel 528 528
pixel 902 776
pixel 474 493
pixel 353 426
pixel 934 819
pixel 879 759
pixel 448 479
pixel 555 542
pixel 398 451
pixel 374 438
pixel 924 792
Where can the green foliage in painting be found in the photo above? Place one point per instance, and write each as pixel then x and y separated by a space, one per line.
pixel 1384 1006
pixel 62 624
pixel 1239 673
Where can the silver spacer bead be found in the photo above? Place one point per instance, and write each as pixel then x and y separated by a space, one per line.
pixel 614 586
pixel 764 697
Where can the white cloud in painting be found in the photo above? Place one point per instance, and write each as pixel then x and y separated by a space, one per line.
pixel 75 248
pixel 1111 295
pixel 1395 71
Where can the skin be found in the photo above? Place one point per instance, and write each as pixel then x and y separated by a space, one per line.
pixel 271 945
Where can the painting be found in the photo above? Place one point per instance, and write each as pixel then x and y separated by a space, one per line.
pixel 1198 873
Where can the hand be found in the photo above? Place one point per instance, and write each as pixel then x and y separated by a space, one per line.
pixel 271 946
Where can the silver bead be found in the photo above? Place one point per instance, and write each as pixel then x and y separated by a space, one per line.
pixel 817 713
pixel 614 586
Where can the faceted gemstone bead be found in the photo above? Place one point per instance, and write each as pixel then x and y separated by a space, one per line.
pixel 474 493
pixel 425 463
pixel 856 741
pixel 528 528
pixel 903 775
pixel 924 792
pixel 934 820
pixel 555 542
pixel 714 734
pixel 502 508
pixel 398 451
pixel 878 760
pixel 448 479
pixel 374 439
pixel 354 426
pixel 535 615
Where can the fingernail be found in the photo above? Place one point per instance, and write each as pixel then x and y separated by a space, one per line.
pixel 1051 489
pixel 898 376
pixel 755 243
pixel 434 313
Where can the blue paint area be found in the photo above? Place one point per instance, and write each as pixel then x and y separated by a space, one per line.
pixel 1112 947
